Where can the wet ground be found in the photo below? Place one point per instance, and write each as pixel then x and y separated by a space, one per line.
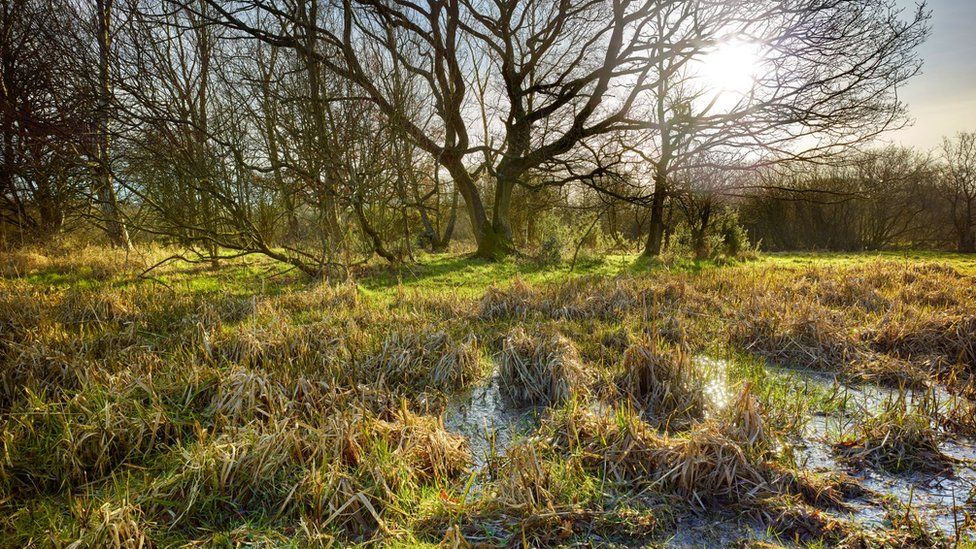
pixel 489 422
pixel 491 425
pixel 940 500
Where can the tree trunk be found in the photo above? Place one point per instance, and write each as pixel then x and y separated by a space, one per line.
pixel 967 239
pixel 105 189
pixel 327 188
pixel 445 240
pixel 374 236
pixel 49 212
pixel 700 246
pixel 967 243
pixel 655 233
pixel 490 245
pixel 502 211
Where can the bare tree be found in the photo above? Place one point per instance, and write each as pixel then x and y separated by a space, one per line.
pixel 104 185
pixel 875 199
pixel 46 110
pixel 959 183
pixel 559 73
pixel 825 75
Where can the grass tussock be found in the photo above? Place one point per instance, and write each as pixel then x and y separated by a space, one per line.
pixel 705 467
pixel 744 421
pixel 243 395
pixel 947 336
pixel 591 298
pixel 663 382
pixel 899 438
pixel 517 301
pixel 539 370
pixel 797 334
pixel 277 344
pixel 92 262
pixel 424 361
pixel 52 445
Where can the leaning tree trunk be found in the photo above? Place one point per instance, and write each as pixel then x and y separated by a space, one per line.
pixel 491 245
pixel 372 234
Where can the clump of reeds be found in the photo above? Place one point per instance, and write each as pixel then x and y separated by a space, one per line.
pixel 53 443
pixel 713 464
pixel 23 309
pixel 707 466
pixel 345 474
pixel 321 298
pixel 958 416
pixel 590 297
pixel 910 335
pixel 232 308
pixel 96 262
pixel 539 370
pixel 889 371
pixel 531 478
pixel 375 460
pixel 243 395
pixel 849 289
pixel 663 382
pixel 518 300
pixel 333 497
pixel 798 334
pixel 22 262
pixel 900 437
pixel 117 525
pixel 804 524
pixel 95 307
pixel 432 452
pixel 424 361
pixel 934 285
pixel 275 343
pixel 743 420
pixel 240 468
pixel 43 362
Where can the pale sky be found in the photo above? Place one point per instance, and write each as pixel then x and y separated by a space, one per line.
pixel 942 99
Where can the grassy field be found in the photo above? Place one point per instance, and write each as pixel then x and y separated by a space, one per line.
pixel 795 399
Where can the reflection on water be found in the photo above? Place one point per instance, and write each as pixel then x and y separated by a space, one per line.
pixel 716 387
pixel 491 425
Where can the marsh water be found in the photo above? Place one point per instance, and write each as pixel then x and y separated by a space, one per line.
pixel 489 422
pixel 491 425
pixel 939 499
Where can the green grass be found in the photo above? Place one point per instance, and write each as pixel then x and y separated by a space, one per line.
pixel 205 349
pixel 964 263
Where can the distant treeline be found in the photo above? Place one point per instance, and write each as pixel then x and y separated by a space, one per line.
pixel 886 199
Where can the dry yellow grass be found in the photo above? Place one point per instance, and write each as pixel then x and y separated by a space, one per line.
pixel 136 412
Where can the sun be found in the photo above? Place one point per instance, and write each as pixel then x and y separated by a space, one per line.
pixel 731 67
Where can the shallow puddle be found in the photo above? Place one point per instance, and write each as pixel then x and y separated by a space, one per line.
pixel 940 500
pixel 715 530
pixel 491 425
pixel 488 422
